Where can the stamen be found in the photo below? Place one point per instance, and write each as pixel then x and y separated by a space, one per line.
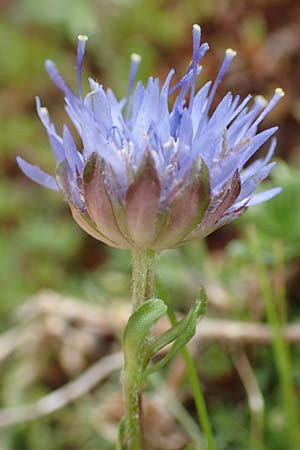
pixel 240 107
pixel 196 45
pixel 229 55
pixel 278 94
pixel 43 113
pixel 135 61
pixel 185 80
pixel 82 40
pixel 260 100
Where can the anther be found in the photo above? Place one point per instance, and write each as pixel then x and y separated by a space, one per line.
pixel 280 92
pixel 135 58
pixel 230 52
pixel 82 37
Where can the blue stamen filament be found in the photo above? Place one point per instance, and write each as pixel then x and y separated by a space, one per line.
pixel 82 40
pixel 135 61
pixel 196 45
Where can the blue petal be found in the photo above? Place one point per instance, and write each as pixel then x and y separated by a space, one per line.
pixel 257 142
pixel 58 79
pixel 101 107
pixel 54 138
pixel 72 154
pixel 264 196
pixel 185 132
pixel 37 175
pixel 250 184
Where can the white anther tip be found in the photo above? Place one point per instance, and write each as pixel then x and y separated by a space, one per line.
pixel 196 27
pixel 230 52
pixel 82 37
pixel 44 110
pixel 280 92
pixel 135 57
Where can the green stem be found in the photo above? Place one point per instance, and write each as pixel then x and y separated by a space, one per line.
pixel 134 432
pixel 196 388
pixel 144 266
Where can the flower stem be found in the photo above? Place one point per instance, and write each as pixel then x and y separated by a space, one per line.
pixel 144 266
pixel 134 432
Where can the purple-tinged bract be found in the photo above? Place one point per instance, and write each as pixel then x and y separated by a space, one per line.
pixel 153 177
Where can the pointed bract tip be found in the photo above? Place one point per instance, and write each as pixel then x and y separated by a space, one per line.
pixel 82 37
pixel 230 52
pixel 280 92
pixel 135 57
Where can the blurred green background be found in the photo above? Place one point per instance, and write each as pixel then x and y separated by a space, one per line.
pixel 42 248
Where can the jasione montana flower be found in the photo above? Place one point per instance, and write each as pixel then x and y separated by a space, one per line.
pixel 152 176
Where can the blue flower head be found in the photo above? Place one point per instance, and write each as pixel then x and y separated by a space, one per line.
pixel 153 176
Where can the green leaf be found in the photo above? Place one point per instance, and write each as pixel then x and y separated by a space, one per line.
pixel 121 434
pixel 181 333
pixel 135 337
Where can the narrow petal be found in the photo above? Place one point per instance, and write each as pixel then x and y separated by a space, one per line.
pixel 101 107
pixel 66 180
pixel 236 159
pixel 185 132
pixel 58 79
pixel 37 175
pixel 264 196
pixel 250 184
pixel 54 138
pixel 257 142
pixel 72 154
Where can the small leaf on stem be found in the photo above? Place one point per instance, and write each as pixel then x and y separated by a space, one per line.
pixel 180 334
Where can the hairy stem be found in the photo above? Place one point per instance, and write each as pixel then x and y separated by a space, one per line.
pixel 144 266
